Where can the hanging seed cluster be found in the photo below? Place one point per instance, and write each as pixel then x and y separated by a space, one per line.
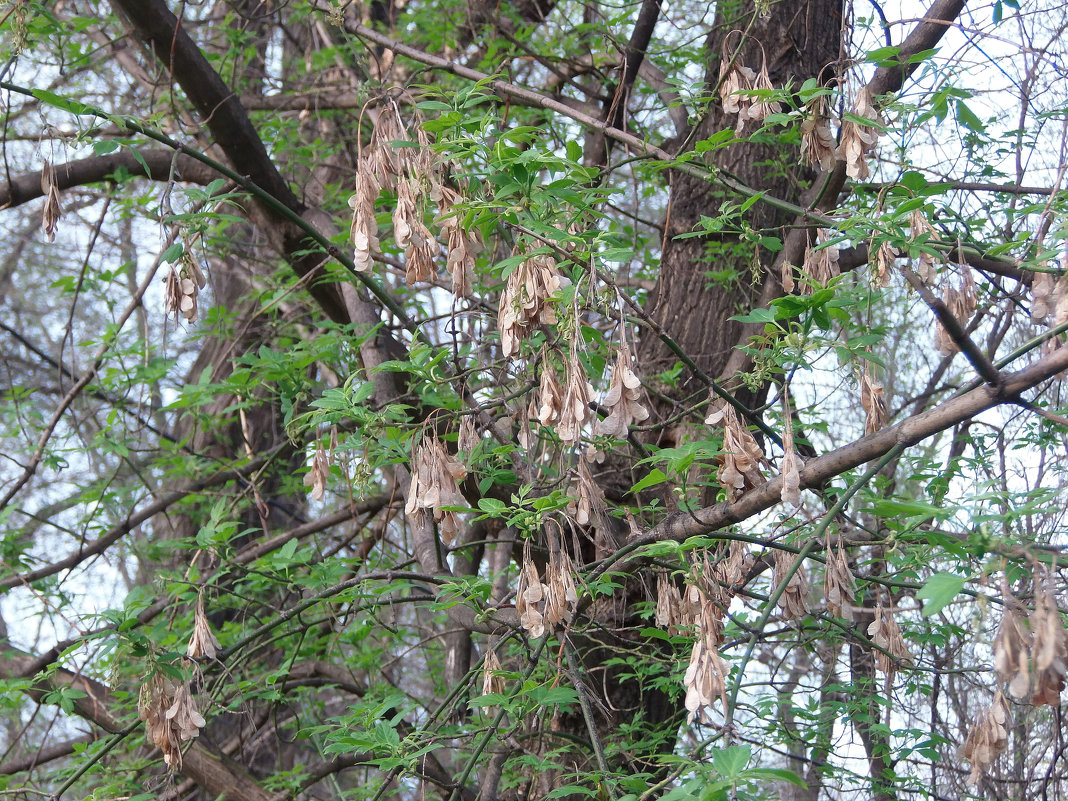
pixel 436 477
pixel 415 176
pixel 167 707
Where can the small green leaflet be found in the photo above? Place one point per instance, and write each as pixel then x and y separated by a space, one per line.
pixel 939 590
pixel 729 762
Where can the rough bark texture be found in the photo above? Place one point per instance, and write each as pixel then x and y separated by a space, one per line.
pixel 799 42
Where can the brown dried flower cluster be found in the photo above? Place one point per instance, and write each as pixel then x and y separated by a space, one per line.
pixel 1049 647
pixel 821 262
pixel 202 642
pixel 859 139
pixel 669 610
pixel 415 175
pixel 961 303
pixel 738 84
pixel 818 147
pixel 794 599
pixel 492 681
pixel 706 676
pixel 170 715
pixel 51 211
pixel 624 396
pixel 578 394
pixel 920 230
pixel 587 505
pixel 882 263
pixel 525 301
pixel 461 246
pixel 547 604
pixel 791 462
pixel 740 456
pixel 886 635
pixel 873 401
pixel 318 474
pixel 839 588
pixel 987 738
pixel 182 286
pixel 436 477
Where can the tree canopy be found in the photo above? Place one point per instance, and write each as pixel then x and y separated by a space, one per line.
pixel 539 399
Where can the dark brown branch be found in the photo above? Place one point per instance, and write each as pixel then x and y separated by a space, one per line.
pixel 217 777
pixel 851 258
pixel 43 755
pixel 217 105
pixel 955 330
pixel 162 165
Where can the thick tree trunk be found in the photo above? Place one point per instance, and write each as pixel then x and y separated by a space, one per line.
pixel 704 281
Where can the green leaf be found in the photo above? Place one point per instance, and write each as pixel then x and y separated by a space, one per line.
pixel 656 476
pixel 730 762
pixel 938 591
pixel 775 774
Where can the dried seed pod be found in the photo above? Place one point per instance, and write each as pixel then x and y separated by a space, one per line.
pixel 461 246
pixel 525 300
pixel 987 738
pixel 1049 646
pixel 791 462
pixel 202 642
pixel 318 473
pixel 821 262
pixel 561 594
pixel 873 401
pixel 741 455
pixel 794 599
pixel 51 211
pixel 859 139
pixel 883 265
pixel 886 635
pixel 624 396
pixel 669 608
pixel 839 588
pixel 364 228
pixel 817 139
pixel 492 681
pixel 587 506
pixel 436 477
pixel 530 597
pixel 578 394
pixel 706 676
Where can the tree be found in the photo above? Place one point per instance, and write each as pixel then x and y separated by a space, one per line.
pixel 528 400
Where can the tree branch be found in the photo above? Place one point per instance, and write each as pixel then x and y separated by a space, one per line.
pixel 159 165
pixel 818 471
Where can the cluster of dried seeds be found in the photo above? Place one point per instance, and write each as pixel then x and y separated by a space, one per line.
pixel 587 505
pixel 961 303
pixel 1049 647
pixel 873 401
pixel 51 211
pixel 526 300
pixel 987 738
pixel 839 588
pixel 739 88
pixel 858 138
pixel 794 599
pixel 547 604
pixel 181 287
pixel 167 707
pixel 821 262
pixel 706 675
pixel 436 477
pixel 170 715
pixel 414 175
pixel 886 635
pixel 624 396
pixel 818 146
pixel 791 462
pixel 741 455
